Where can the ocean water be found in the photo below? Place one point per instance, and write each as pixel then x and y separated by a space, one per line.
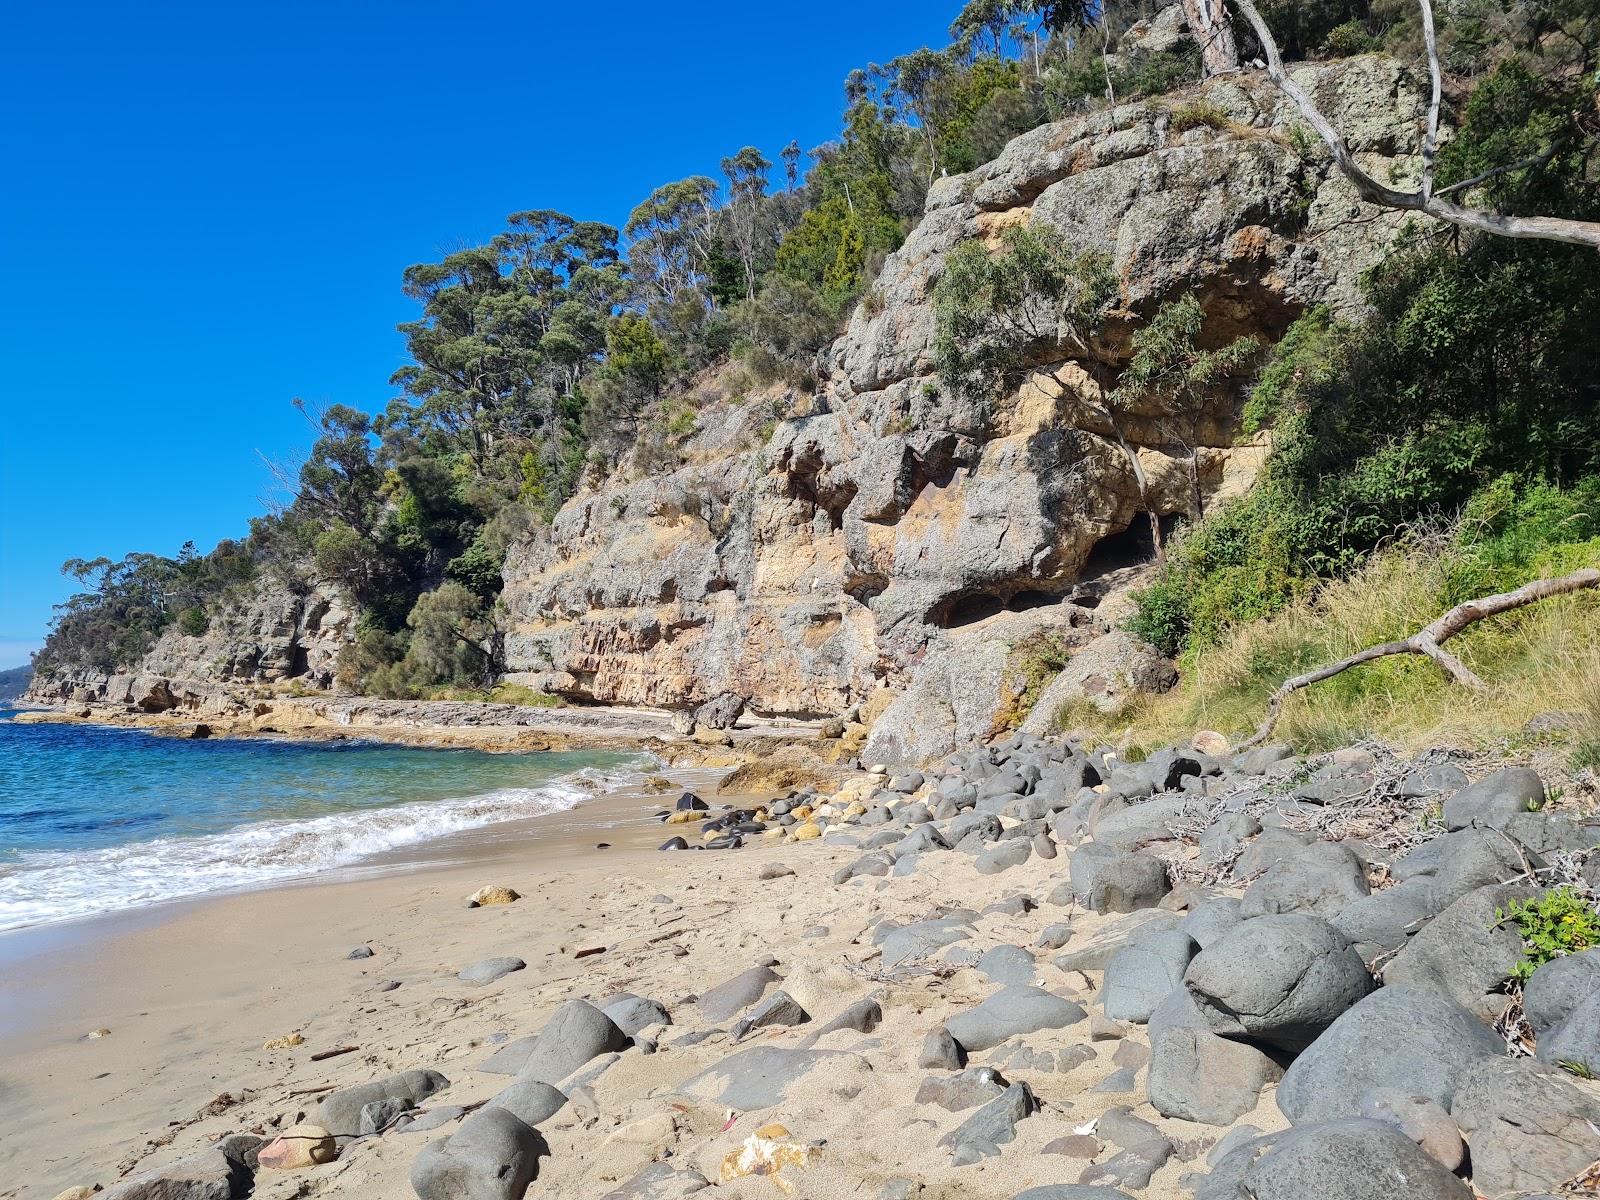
pixel 96 820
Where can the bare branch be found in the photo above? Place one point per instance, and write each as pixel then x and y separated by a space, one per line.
pixel 1548 229
pixel 1430 139
pixel 1533 160
pixel 1428 640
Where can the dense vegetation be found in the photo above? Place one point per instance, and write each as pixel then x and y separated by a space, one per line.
pixel 1472 385
pixel 564 350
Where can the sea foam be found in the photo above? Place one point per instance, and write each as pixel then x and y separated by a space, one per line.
pixel 48 886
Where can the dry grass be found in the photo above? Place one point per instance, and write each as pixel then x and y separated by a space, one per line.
pixel 1540 660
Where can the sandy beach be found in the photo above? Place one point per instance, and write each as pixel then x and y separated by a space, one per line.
pixel 190 994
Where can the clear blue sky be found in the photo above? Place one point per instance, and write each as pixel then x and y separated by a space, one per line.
pixel 206 209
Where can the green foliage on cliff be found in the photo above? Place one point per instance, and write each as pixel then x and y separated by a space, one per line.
pixel 1471 387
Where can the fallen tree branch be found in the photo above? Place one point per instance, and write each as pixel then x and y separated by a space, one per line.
pixel 1429 641
pixel 1425 200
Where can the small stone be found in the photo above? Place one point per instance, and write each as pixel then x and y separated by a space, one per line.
pixel 774 871
pixel 480 974
pixel 95 1034
pixel 940 1051
pixel 298 1147
pixel 492 894
pixel 360 952
pixel 283 1043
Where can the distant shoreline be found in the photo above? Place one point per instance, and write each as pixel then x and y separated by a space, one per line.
pixel 439 724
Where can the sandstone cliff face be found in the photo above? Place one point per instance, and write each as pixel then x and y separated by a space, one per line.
pixel 895 538
pixel 273 636
pixel 883 549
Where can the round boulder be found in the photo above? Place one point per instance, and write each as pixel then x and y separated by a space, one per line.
pixel 1279 980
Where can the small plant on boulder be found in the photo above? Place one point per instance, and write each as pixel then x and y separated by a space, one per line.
pixel 1559 923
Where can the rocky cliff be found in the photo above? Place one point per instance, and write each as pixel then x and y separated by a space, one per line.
pixel 884 550
pixel 270 638
pixel 888 544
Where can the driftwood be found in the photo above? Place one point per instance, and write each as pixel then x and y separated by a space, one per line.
pixel 1424 199
pixel 1429 641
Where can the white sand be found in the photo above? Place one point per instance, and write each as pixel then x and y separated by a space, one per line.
pixel 191 992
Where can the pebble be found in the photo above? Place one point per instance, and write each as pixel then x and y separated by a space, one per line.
pixel 360 952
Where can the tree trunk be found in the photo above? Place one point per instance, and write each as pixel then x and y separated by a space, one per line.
pixel 1143 482
pixel 1213 31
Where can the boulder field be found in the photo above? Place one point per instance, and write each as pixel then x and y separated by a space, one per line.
pixel 1210 976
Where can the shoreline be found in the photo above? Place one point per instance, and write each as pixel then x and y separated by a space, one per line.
pixel 270 956
pixel 438 724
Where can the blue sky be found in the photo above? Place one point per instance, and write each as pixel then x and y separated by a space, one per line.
pixel 206 210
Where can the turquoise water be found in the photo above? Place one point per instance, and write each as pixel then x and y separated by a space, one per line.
pixel 95 820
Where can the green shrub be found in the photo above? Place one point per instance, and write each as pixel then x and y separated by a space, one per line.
pixel 192 622
pixel 1348 40
pixel 1559 923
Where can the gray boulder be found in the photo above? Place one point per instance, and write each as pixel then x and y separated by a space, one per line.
pixel 1321 879
pixel 995 1124
pixel 1458 862
pixel 1339 1160
pixel 1279 980
pixel 1140 976
pixel 1380 924
pixel 1495 799
pixel 493 1156
pixel 1176 1011
pixel 1095 951
pixel 1530 1127
pixel 340 1111
pixel 761 1076
pixel 511 1057
pixel 1423 1121
pixel 1272 846
pixel 220 1172
pixel 920 840
pixel 1558 987
pixel 736 994
pixel 631 1013
pixel 1465 952
pixel 963 1090
pixel 531 1102
pixel 1112 881
pixel 1003 855
pixel 867 866
pixel 1197 1076
pixel 1012 1011
pixel 1210 919
pixel 778 1009
pixel 490 969
pixel 1007 964
pixel 920 939
pixel 940 1052
pixel 576 1033
pixel 1397 1038
pixel 1576 1039
pixel 862 1017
